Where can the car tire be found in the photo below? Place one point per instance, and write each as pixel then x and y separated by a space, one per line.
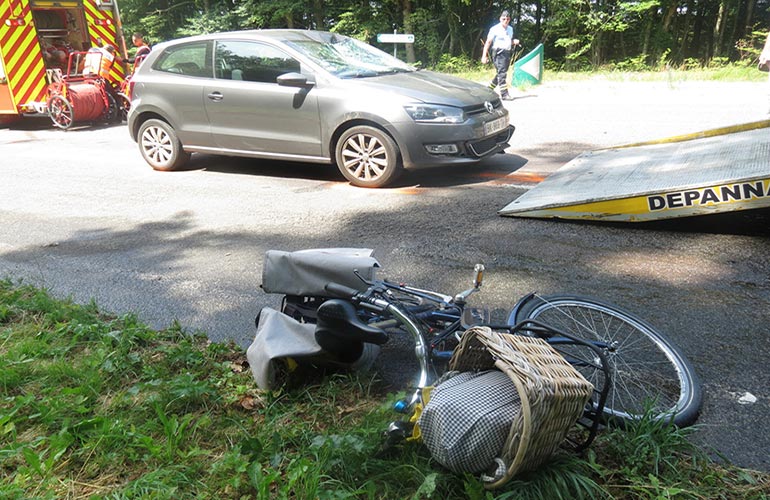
pixel 160 146
pixel 368 157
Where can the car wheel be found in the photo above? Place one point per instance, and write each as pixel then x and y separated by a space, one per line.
pixel 368 157
pixel 160 146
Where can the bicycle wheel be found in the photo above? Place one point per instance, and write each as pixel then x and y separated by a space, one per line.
pixel 648 372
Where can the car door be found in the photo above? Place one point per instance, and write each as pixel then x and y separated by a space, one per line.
pixel 250 112
pixel 174 87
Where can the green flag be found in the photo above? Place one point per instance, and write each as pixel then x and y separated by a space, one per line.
pixel 529 69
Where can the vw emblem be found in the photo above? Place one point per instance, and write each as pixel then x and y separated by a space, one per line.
pixel 489 106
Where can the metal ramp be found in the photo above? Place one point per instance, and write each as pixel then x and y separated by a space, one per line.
pixel 718 170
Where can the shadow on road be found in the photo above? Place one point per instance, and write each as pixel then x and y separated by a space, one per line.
pixel 742 223
pixel 495 167
pixel 746 222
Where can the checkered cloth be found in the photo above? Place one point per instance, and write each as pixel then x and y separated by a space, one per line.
pixel 468 418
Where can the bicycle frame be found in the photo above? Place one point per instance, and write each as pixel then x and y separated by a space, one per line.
pixel 598 339
pixel 452 311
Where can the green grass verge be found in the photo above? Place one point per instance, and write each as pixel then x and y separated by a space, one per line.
pixel 727 73
pixel 97 406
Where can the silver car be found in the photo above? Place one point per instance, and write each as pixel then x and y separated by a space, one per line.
pixel 308 96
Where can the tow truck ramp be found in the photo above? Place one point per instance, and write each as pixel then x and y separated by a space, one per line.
pixel 719 170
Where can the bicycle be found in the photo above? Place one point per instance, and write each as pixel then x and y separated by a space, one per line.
pixel 634 369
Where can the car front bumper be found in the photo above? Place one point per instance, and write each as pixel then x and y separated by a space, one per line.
pixel 433 145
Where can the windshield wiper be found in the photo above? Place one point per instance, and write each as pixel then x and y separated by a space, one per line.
pixel 358 73
pixel 392 71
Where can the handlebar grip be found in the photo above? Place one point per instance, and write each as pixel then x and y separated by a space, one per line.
pixel 341 290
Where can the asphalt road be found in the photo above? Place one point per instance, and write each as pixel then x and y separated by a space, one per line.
pixel 84 216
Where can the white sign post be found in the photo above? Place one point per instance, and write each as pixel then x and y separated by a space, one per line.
pixel 395 38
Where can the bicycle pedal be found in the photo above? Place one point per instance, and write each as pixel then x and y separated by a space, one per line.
pixel 398 431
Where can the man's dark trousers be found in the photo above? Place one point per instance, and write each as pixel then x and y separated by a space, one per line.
pixel 502 61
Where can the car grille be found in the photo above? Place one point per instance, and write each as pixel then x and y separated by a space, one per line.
pixel 480 109
pixel 486 146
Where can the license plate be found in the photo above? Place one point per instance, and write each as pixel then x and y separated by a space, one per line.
pixel 495 125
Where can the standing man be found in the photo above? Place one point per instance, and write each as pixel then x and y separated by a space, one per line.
pixel 500 40
pixel 142 49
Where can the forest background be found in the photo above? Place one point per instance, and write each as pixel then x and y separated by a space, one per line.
pixel 578 35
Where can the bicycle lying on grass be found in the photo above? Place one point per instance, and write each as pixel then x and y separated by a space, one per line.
pixel 635 369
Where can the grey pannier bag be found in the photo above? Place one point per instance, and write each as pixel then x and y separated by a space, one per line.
pixel 281 336
pixel 468 418
pixel 307 272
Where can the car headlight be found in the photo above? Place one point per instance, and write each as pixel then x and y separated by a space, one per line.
pixel 433 113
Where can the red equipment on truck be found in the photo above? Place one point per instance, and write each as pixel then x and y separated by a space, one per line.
pixel 43 49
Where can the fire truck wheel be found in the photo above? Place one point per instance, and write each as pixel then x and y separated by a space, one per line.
pixel 125 104
pixel 60 111
pixel 112 114
pixel 160 146
pixel 6 120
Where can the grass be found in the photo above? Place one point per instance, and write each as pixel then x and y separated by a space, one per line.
pixel 725 73
pixel 102 407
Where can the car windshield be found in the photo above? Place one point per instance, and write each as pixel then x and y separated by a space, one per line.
pixel 347 57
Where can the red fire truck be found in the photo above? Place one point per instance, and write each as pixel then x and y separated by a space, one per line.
pixel 39 39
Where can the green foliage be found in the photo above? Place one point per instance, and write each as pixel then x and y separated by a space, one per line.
pixel 96 406
pixel 356 24
pixel 578 34
pixel 427 38
pixel 631 64
pixel 455 64
pixel 209 22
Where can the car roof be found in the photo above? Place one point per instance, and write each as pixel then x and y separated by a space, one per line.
pixel 263 34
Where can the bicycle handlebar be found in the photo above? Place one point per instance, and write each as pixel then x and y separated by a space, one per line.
pixel 372 300
pixel 341 290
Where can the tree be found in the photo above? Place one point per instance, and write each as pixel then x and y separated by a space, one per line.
pixel 578 34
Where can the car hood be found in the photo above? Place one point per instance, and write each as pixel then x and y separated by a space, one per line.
pixel 427 86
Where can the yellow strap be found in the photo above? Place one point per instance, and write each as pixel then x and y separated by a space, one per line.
pixel 425 397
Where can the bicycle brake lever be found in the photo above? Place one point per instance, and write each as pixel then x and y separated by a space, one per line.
pixel 367 282
pixel 478 278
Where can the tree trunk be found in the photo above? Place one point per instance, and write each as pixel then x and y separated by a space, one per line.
pixel 453 33
pixel 669 16
pixel 318 14
pixel 596 49
pixel 646 37
pixel 409 28
pixel 719 28
pixel 684 30
pixel 749 17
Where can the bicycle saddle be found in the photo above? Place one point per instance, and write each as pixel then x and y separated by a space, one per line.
pixel 340 331
pixel 339 317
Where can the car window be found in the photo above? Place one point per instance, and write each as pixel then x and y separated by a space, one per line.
pixel 347 57
pixel 252 61
pixel 186 59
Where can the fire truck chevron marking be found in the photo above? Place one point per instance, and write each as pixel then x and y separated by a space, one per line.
pixel 25 69
pixel 70 26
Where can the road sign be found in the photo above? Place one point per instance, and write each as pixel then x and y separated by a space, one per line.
pixel 395 38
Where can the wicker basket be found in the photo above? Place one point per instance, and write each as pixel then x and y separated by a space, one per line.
pixel 553 394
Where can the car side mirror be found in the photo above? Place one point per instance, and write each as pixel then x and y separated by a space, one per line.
pixel 295 80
